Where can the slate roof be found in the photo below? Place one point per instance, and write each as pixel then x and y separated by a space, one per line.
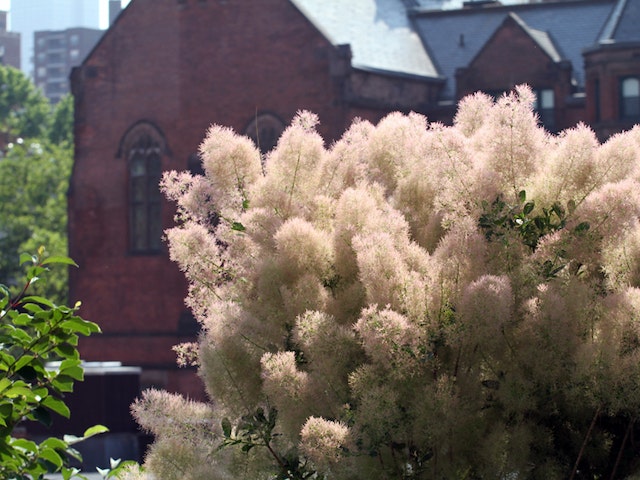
pixel 379 32
pixel 542 39
pixel 624 24
pixel 572 26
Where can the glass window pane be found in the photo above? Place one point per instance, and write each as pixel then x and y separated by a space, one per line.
pixel 630 87
pixel 139 227
pixel 547 99
pixel 138 190
pixel 631 107
pixel 138 167
pixel 155 227
pixel 630 98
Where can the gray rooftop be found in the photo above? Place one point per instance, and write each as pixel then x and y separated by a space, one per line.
pixel 572 26
pixel 623 25
pixel 379 32
pixel 543 39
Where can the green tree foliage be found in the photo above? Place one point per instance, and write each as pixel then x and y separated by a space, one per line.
pixel 61 129
pixel 34 331
pixel 36 156
pixel 416 301
pixel 24 110
pixel 34 177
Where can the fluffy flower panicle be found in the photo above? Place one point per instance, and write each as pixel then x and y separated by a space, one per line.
pixel 323 441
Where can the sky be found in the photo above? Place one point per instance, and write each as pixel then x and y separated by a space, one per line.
pixel 104 10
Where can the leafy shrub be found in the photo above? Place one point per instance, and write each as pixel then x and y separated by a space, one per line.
pixel 34 331
pixel 416 301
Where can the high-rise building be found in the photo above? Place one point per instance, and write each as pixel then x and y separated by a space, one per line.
pixel 55 53
pixel 9 44
pixel 29 16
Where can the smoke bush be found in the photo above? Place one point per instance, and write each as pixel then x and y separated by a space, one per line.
pixel 414 301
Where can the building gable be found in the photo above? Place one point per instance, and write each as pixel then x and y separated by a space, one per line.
pixel 573 25
pixel 514 54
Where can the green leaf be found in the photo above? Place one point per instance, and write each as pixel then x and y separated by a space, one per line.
pixel 51 456
pixel 78 325
pixel 22 319
pixel 24 444
pixel 238 227
pixel 77 373
pixel 28 258
pixel 55 443
pixel 19 390
pixel 22 338
pixel 247 447
pixel 39 300
pixel 4 384
pixel 522 196
pixel 582 227
pixel 59 260
pixel 68 363
pixel 56 405
pixel 95 430
pixel 226 427
pixel 6 412
pixel 32 307
pixel 528 207
pixel 23 361
pixel 66 351
pixel 63 383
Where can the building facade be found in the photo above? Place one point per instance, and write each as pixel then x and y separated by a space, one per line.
pixel 9 44
pixel 56 52
pixel 167 69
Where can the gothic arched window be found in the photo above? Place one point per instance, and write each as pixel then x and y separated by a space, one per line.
pixel 143 147
pixel 265 130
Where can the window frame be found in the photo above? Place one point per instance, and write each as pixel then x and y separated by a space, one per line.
pixel 624 100
pixel 143 147
pixel 546 114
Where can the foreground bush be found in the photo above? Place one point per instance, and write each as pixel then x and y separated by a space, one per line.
pixel 417 301
pixel 34 331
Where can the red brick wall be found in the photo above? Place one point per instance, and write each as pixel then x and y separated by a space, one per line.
pixel 607 65
pixel 181 66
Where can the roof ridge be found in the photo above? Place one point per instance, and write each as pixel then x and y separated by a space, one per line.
pixel 542 38
pixel 612 22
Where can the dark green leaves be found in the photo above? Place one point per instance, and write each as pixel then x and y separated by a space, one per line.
pixel 255 430
pixel 500 218
pixel 34 331
pixel 503 222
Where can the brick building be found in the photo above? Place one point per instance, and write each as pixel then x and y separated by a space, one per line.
pixel 9 44
pixel 167 69
pixel 56 52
